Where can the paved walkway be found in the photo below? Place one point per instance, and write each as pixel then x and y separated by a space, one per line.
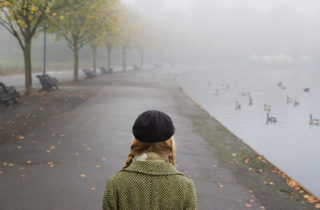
pixel 83 135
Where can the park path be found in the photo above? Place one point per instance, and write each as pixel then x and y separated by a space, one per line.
pixel 62 161
pixel 17 80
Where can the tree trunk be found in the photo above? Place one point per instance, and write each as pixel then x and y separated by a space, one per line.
pixel 94 55
pixel 27 66
pixel 124 61
pixel 109 51
pixel 141 58
pixel 76 64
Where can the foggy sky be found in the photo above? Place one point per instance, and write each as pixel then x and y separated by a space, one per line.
pixel 257 30
pixel 305 7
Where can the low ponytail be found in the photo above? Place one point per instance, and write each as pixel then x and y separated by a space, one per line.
pixel 164 148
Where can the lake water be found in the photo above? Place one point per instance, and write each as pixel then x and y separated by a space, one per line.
pixel 291 144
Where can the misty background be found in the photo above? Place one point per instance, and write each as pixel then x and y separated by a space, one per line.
pixel 277 33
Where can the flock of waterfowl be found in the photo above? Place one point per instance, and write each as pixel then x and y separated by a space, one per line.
pixel 267 108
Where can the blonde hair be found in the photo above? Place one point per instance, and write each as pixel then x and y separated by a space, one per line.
pixel 164 148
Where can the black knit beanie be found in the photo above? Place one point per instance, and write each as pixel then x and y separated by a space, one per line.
pixel 153 126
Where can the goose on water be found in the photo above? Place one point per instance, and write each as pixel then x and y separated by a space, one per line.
pixel 216 92
pixel 250 100
pixel 313 121
pixel 271 119
pixel 238 106
pixel 267 108
pixel 306 89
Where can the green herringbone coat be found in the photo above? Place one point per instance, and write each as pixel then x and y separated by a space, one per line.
pixel 149 185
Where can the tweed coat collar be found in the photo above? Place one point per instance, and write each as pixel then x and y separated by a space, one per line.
pixel 152 168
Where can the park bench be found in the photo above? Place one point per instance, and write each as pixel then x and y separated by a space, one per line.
pixel 7 94
pixel 105 70
pixel 89 73
pixel 47 82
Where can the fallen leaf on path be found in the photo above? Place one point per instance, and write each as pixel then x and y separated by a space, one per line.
pixel 23 176
pixel 247 160
pixel 83 175
pixel 19 147
pixel 62 135
pixel 29 161
pixel 53 134
pixel 248 205
pixel 260 170
pixel 234 154
pixel 21 168
pixel 41 109
pixel 88 148
pixel 50 164
pixel 1 172
pixel 262 207
pixel 92 188
pixel 292 183
pixel 10 164
pixel 98 166
pixel 1 128
pixel 310 198
pixel 59 142
pixel 20 137
pixel 104 158
pixel 220 185
pixel 5 163
pixel 76 153
pixel 52 147
pixel 214 166
pixel 48 150
pixel 268 183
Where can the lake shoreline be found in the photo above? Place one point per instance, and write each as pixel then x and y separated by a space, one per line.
pixel 269 184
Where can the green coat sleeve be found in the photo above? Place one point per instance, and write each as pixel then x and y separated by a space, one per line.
pixel 191 201
pixel 109 198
